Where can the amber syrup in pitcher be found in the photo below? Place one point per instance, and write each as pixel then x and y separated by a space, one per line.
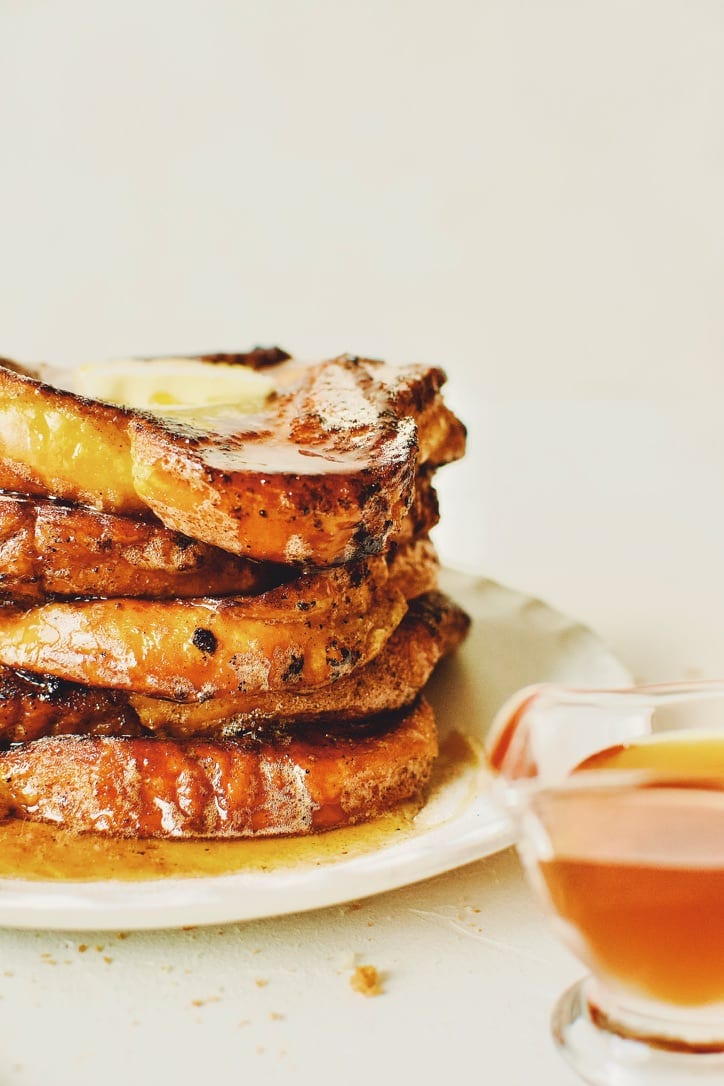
pixel 636 872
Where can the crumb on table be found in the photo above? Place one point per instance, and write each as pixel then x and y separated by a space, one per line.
pixel 366 981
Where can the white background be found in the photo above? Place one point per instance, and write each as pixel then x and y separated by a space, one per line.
pixel 528 193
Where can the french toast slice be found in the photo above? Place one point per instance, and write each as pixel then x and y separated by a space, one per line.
pixel 52 550
pixel 322 474
pixel 33 706
pixel 244 787
pixel 296 636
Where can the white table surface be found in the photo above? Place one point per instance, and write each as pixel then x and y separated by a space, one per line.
pixel 529 194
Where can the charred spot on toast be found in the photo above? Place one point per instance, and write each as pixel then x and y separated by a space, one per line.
pixel 204 640
pixel 359 573
pixel 340 659
pixel 366 542
pixel 294 668
pixel 258 358
pixel 368 491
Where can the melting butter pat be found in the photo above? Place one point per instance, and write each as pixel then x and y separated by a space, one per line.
pixel 170 385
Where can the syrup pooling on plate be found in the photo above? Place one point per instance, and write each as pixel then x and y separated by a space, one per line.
pixel 30 850
pixel 637 869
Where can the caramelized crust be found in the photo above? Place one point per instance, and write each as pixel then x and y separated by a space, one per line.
pixel 324 474
pixel 424 512
pixel 32 706
pixel 52 550
pixel 414 567
pixel 228 788
pixel 297 636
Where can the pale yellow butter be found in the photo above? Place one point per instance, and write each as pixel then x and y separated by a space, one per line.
pixel 168 385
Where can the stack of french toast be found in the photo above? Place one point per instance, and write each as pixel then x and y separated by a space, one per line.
pixel 219 600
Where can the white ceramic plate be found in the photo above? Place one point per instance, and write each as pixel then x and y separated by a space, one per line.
pixel 515 640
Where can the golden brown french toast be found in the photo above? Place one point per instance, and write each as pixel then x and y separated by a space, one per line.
pixel 225 788
pixel 32 706
pixel 49 549
pixel 297 636
pixel 323 473
pixel 52 550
